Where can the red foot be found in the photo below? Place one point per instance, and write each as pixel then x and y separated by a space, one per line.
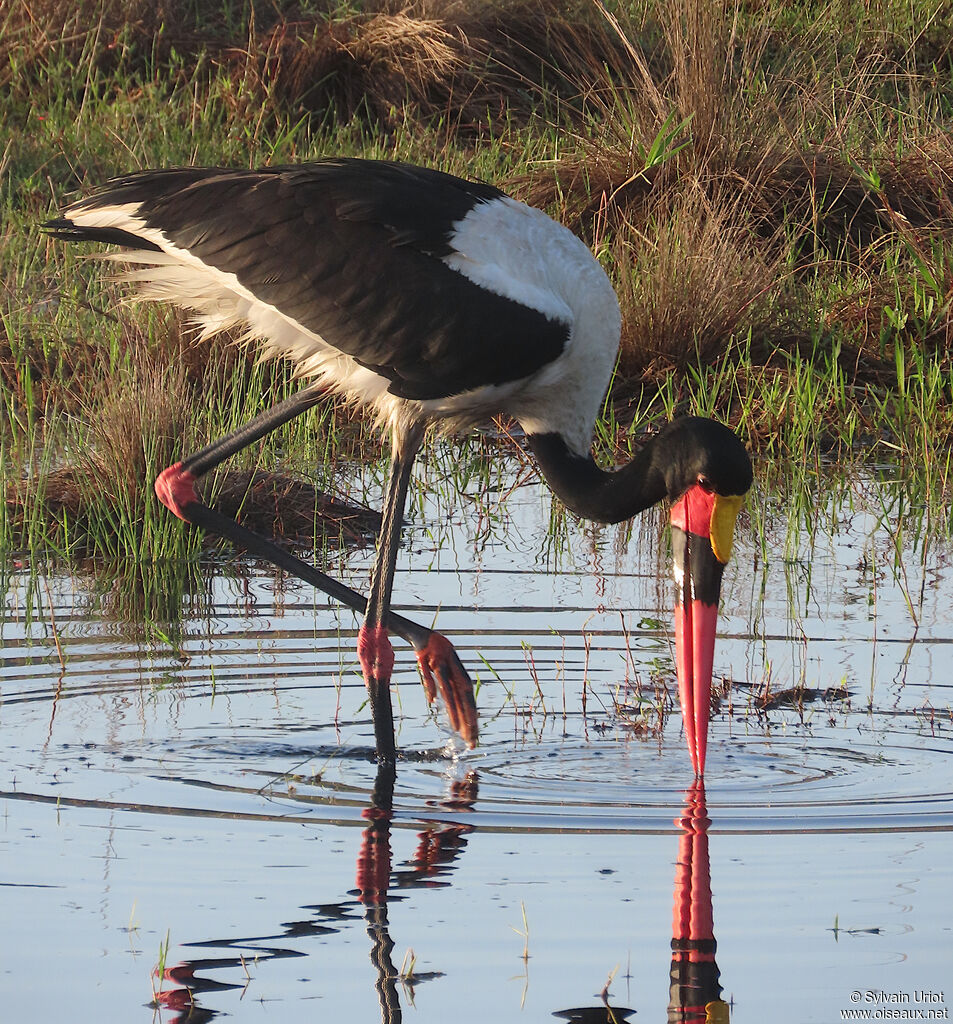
pixel 441 668
pixel 175 488
pixel 375 653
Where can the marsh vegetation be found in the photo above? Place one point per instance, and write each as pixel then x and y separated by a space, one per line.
pixel 768 187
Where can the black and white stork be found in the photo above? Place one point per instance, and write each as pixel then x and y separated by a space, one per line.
pixel 426 300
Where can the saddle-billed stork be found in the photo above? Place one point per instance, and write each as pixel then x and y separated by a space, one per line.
pixel 424 299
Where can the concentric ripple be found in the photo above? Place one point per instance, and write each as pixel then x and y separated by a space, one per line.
pixel 264 716
pixel 838 719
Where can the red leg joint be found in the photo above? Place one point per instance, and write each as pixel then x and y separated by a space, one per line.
pixel 375 653
pixel 175 488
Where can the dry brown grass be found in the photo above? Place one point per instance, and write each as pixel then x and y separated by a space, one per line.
pixel 793 152
pixel 374 65
pixel 137 424
pixel 140 428
pixel 460 60
pixel 456 59
pixel 718 196
pixel 691 279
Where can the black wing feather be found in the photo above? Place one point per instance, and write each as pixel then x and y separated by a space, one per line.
pixel 351 250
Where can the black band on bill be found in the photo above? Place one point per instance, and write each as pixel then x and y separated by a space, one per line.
pixel 696 569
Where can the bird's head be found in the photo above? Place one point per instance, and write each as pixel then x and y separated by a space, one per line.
pixel 703 469
pixel 707 473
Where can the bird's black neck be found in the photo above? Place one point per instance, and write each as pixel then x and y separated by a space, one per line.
pixel 593 493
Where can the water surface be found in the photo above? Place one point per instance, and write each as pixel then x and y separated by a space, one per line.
pixel 202 795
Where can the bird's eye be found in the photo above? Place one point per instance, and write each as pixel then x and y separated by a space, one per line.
pixel 705 484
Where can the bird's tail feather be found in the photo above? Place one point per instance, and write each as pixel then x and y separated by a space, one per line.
pixel 69 231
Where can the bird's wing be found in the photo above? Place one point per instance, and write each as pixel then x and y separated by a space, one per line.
pixel 353 251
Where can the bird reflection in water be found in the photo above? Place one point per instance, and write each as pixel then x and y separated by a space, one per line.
pixel 694 988
pixel 438 848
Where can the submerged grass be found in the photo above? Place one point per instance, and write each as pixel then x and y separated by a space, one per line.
pixel 767 186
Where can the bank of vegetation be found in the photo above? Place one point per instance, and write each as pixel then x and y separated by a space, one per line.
pixel 767 184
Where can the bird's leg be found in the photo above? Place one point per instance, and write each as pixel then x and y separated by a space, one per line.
pixel 175 488
pixel 373 645
pixel 440 666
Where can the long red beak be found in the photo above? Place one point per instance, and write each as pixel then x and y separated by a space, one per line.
pixel 702 530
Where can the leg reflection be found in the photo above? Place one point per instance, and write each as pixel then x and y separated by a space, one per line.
pixel 438 847
pixel 373 878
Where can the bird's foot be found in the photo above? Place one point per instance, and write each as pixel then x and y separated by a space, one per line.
pixel 175 488
pixel 441 669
